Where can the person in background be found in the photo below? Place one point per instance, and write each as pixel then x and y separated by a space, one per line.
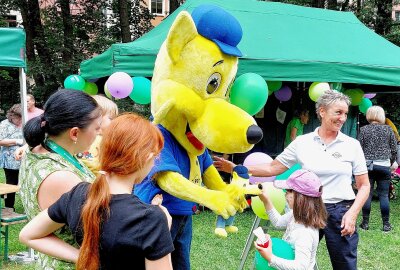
pixel 69 125
pixel 296 125
pixel 33 111
pixel 109 111
pixel 302 224
pixel 10 139
pixel 114 229
pixel 335 158
pixel 379 144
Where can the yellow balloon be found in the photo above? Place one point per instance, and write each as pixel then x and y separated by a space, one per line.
pixel 390 123
pixel 317 89
pixel 277 197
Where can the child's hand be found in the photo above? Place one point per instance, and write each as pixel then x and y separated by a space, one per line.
pixel 264 196
pixel 266 253
pixel 157 200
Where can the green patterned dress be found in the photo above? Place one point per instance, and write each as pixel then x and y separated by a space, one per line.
pixel 34 169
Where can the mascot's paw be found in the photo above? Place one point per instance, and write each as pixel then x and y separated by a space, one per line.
pixel 220 232
pixel 231 229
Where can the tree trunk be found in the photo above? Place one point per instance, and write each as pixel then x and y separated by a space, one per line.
pixel 124 20
pixel 173 5
pixel 68 49
pixel 383 16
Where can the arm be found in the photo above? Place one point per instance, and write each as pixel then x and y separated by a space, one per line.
pixel 349 219
pixel 293 132
pixel 55 185
pixel 164 263
pixel 278 221
pixel 19 153
pixel 269 169
pixel 303 251
pixel 11 142
pixel 218 201
pixel 38 234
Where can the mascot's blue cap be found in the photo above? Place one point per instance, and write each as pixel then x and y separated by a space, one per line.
pixel 216 24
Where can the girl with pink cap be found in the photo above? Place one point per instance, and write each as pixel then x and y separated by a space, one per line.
pixel 302 222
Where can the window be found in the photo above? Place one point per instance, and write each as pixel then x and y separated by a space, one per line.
pixel 397 16
pixel 156 6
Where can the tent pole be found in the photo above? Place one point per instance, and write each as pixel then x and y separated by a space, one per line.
pixel 23 93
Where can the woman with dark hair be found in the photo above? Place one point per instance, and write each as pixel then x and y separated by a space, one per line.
pixel 69 125
pixel 10 139
pixel 115 230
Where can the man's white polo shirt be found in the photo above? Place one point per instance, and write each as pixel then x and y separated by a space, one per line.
pixel 334 163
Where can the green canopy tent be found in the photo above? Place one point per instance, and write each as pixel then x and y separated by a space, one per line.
pixel 12 54
pixel 280 42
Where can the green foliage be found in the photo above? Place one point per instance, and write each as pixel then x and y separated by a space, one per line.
pixel 139 19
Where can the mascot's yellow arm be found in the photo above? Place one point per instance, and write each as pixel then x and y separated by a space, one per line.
pixel 223 199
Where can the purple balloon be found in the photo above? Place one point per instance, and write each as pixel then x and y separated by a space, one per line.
pixel 283 94
pixel 258 158
pixel 120 84
pixel 370 95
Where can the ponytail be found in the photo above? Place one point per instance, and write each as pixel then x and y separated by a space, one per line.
pixel 95 210
pixel 34 133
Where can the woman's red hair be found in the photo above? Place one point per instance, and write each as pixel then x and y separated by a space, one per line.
pixel 125 148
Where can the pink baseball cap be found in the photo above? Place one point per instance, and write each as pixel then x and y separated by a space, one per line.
pixel 302 181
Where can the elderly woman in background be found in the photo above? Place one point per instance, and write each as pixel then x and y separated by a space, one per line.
pixel 334 157
pixel 379 144
pixel 11 139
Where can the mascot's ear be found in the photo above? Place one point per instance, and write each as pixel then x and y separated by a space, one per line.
pixel 182 31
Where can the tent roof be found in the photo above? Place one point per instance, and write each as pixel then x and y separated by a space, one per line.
pixel 280 42
pixel 12 44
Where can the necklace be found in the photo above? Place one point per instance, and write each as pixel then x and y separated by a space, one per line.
pixel 65 155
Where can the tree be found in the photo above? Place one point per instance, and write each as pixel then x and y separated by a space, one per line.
pixel 138 16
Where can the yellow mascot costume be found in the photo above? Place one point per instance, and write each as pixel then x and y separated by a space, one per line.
pixel 194 70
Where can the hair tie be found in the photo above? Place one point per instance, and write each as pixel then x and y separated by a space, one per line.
pixel 103 172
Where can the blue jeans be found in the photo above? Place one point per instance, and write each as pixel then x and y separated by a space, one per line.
pixel 222 223
pixel 380 175
pixel 181 233
pixel 342 249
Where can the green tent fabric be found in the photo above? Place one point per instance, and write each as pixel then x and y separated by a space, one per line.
pixel 280 42
pixel 12 44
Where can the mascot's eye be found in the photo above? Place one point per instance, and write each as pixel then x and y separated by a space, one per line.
pixel 213 83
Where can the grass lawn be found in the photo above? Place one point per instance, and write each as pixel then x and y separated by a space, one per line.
pixel 377 250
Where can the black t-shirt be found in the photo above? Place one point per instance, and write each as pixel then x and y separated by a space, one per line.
pixel 134 231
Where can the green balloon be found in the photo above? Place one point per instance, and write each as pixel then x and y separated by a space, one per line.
pixel 141 92
pixel 90 88
pixel 107 92
pixel 364 105
pixel 274 85
pixel 249 92
pixel 277 197
pixel 75 82
pixel 280 248
pixel 317 89
pixel 286 174
pixel 356 95
pixel 337 86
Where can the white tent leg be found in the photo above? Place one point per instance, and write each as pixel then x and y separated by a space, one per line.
pixel 23 92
